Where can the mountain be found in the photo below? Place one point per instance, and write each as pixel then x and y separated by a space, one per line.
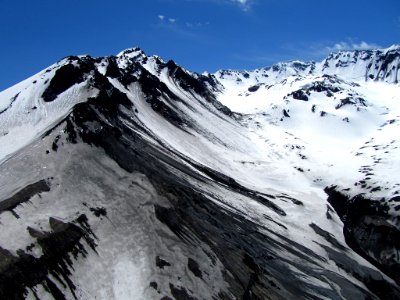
pixel 359 65
pixel 128 177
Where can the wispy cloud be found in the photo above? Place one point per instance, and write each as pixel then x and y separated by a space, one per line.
pixel 319 50
pixel 241 2
pixel 196 24
pixel 188 30
pixel 351 46
pixel 259 56
pixel 163 20
pixel 244 4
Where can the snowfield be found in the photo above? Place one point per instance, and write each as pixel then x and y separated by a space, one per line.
pixel 128 177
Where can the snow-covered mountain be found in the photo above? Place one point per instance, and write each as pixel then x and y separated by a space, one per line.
pixel 358 65
pixel 128 177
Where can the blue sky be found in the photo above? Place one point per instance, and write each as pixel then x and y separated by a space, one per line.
pixel 198 34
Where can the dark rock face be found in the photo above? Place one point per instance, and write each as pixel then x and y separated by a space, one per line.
pixel 99 211
pixel 368 231
pixel 326 86
pixel 382 65
pixel 161 263
pixel 112 69
pixel 66 76
pixel 204 86
pixel 24 271
pixel 194 267
pixel 180 293
pixel 299 95
pixel 23 196
pixel 358 101
pixel 253 88
pixel 154 90
pixel 189 83
pixel 326 235
pixel 285 113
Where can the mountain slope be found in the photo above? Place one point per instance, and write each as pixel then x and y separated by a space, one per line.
pixel 125 177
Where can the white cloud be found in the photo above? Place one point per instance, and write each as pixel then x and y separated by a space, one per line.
pixel 341 46
pixel 196 24
pixel 163 18
pixel 245 4
pixel 169 21
pixel 319 50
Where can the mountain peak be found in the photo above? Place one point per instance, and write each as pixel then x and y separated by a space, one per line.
pixel 371 64
pixel 393 48
pixel 131 52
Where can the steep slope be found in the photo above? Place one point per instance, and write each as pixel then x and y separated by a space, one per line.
pixel 130 180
